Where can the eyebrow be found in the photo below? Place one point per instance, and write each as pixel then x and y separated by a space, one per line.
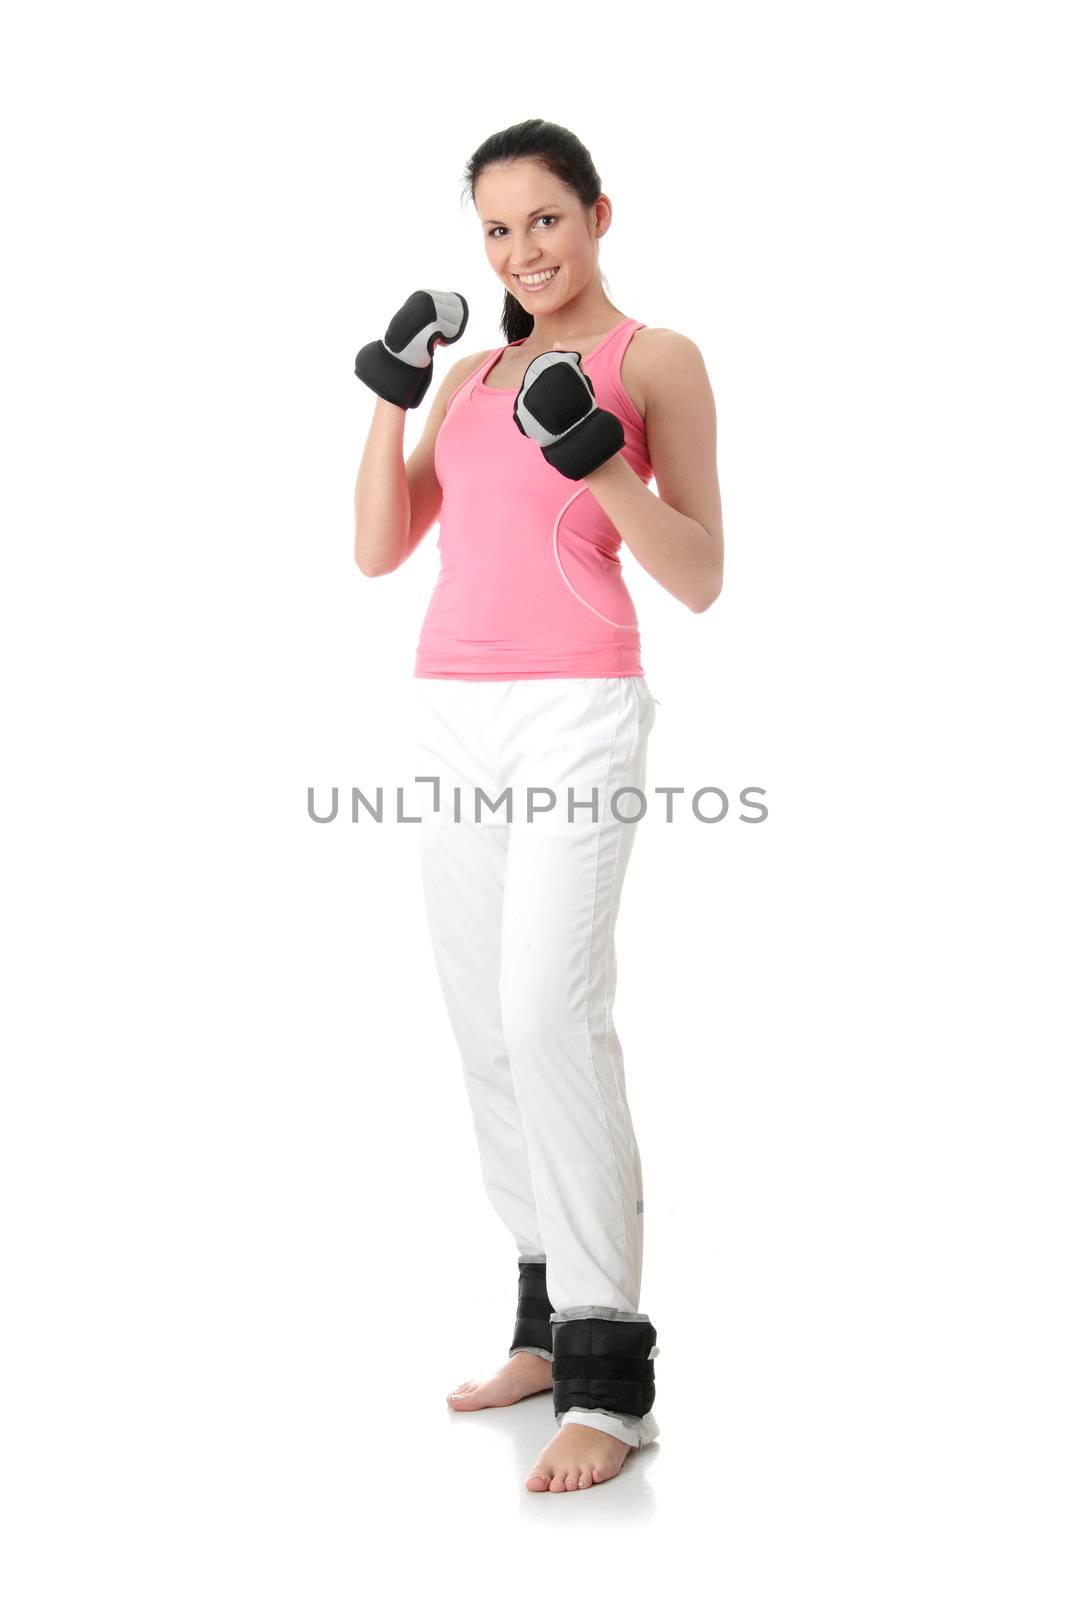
pixel 496 222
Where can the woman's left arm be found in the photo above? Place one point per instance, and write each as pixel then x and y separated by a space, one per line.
pixel 677 534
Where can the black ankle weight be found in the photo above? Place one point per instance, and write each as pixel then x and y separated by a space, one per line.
pixel 602 1364
pixel 533 1329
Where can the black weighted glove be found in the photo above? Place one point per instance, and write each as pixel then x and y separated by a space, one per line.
pixel 400 366
pixel 556 407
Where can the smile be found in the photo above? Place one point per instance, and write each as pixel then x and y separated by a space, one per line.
pixel 536 280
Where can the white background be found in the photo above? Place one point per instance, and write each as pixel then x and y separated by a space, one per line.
pixel 245 1247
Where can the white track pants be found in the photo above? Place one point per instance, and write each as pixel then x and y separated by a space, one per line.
pixel 522 920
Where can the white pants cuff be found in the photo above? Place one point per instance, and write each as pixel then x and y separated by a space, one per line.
pixel 634 1431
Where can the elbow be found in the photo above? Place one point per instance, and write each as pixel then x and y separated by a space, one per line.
pixel 369 566
pixel 711 585
pixel 708 597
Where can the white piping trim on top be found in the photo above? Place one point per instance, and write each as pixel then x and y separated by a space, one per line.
pixel 563 575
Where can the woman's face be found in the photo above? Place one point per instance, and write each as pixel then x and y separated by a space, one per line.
pixel 532 222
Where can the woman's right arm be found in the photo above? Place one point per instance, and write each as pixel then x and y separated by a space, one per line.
pixel 398 501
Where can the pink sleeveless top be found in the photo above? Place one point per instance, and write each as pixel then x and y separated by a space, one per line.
pixel 530 584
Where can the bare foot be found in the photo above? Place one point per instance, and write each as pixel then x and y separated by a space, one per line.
pixel 523 1374
pixel 577 1458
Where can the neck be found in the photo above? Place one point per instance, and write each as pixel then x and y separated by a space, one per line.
pixel 588 315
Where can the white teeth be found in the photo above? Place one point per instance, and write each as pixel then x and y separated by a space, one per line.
pixel 540 277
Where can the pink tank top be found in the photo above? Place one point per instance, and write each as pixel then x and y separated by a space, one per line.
pixel 530 584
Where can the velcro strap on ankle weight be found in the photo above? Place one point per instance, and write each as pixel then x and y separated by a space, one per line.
pixel 634 1368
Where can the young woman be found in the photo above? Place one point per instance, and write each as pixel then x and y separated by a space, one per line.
pixel 536 459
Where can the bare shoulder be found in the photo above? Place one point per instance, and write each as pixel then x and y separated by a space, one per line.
pixel 461 370
pixel 657 359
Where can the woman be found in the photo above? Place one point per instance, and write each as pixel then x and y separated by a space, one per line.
pixel 536 459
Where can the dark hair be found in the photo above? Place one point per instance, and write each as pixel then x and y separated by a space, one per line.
pixel 564 155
